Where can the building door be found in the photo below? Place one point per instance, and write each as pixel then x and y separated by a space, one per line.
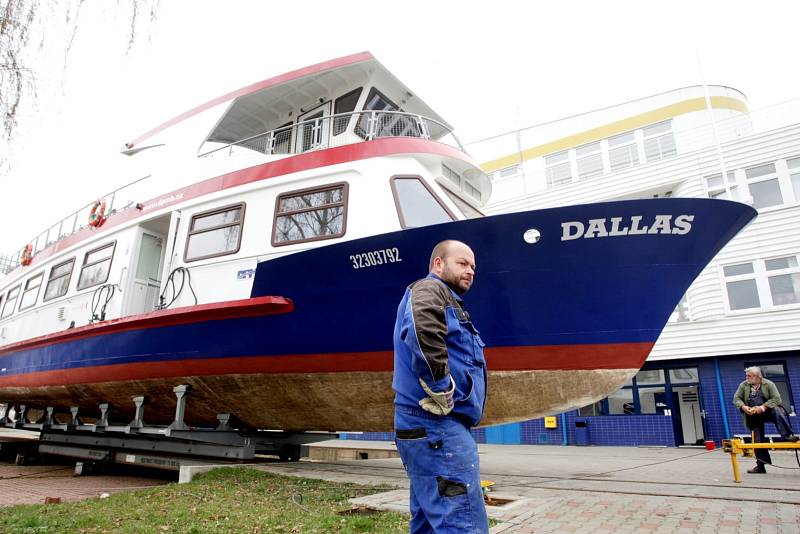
pixel 313 128
pixel 687 415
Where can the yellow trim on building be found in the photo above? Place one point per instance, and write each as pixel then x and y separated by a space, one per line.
pixel 614 128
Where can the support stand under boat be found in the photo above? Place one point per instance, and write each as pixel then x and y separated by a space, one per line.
pixel 164 447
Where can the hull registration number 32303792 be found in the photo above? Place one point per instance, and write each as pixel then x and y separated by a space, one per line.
pixel 376 257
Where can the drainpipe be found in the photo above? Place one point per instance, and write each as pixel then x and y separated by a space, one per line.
pixel 564 429
pixel 722 399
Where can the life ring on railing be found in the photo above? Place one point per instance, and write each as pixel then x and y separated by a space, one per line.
pixel 98 214
pixel 27 255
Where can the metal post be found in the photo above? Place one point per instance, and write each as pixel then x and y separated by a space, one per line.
pixel 735 463
pixel 48 417
pixel 138 419
pixel 76 421
pixel 372 122
pixel 722 399
pixel 22 416
pixel 103 421
pixel 224 421
pixel 180 408
pixel 565 440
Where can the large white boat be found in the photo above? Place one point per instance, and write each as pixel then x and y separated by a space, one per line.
pixel 269 281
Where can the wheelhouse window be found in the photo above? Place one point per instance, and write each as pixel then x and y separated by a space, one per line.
pixel 11 302
pixel 217 232
pixel 416 203
pixel 310 215
pixel 58 282
pixel 96 266
pixel 344 104
pixel 31 292
pixel 382 124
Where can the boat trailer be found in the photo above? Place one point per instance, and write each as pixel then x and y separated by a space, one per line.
pixel 137 443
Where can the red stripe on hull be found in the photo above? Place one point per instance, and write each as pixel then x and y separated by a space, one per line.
pixel 561 357
pixel 189 314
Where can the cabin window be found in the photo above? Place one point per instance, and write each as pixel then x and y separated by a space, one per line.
pixel 416 203
pixel 310 215
pixel 31 292
pixel 58 283
pixel 344 104
pixel 96 266
pixel 215 233
pixel 376 101
pixel 11 302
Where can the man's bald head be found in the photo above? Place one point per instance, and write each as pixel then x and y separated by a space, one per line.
pixel 453 262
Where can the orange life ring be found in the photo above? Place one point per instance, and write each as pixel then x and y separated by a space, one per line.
pixel 27 255
pixel 97 215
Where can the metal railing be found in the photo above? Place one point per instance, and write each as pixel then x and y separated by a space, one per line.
pixel 117 200
pixel 339 130
pixel 313 134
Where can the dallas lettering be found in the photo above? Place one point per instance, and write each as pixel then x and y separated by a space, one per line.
pixel 620 226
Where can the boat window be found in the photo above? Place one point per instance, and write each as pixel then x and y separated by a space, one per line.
pixel 31 292
pixel 468 211
pixel 215 233
pixel 11 302
pixel 58 282
pixel 344 104
pixel 282 141
pixel 96 266
pixel 376 101
pixel 310 215
pixel 416 204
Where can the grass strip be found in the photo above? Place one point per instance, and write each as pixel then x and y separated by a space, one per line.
pixel 222 500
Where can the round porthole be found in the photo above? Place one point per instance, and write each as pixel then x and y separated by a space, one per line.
pixel 532 236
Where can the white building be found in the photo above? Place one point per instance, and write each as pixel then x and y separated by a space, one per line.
pixel 744 308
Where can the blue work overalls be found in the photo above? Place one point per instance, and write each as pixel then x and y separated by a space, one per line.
pixel 438 452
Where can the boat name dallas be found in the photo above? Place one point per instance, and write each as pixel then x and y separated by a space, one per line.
pixel 663 224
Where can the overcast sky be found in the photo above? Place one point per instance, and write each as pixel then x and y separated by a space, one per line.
pixel 486 67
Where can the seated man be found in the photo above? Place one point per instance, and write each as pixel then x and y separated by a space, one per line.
pixel 758 399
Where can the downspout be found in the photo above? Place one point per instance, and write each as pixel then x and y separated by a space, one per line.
pixel 564 429
pixel 722 400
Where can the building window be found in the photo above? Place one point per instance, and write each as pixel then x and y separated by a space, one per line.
pixel 592 410
pixel 344 104
pixel 716 187
pixel 58 283
pixel 310 215
pixel 507 172
pixel 659 141
pixel 740 281
pixel 31 292
pixel 621 402
pixel 794 176
pixel 11 302
pixel 764 185
pixel 96 266
pixel 558 169
pixel 783 276
pixel 590 160
pixel 215 233
pixel 416 204
pixel 688 375
pixel 623 151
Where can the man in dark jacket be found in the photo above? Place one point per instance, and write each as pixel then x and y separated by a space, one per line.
pixel 760 402
pixel 440 391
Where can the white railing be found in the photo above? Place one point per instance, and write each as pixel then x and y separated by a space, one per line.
pixel 324 132
pixel 338 130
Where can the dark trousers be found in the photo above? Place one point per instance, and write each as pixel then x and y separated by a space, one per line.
pixel 756 422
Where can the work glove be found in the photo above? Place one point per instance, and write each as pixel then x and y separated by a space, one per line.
pixel 437 403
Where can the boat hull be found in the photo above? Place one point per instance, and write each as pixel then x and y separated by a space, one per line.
pixel 572 314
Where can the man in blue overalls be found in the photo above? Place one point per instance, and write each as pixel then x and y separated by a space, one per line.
pixel 440 391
